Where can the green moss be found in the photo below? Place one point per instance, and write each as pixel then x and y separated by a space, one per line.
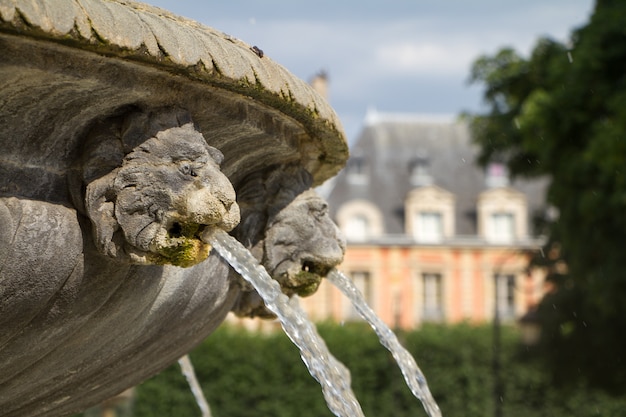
pixel 186 250
pixel 311 280
pixel 190 230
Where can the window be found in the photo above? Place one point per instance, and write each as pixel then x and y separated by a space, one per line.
pixel 357 228
pixel 419 170
pixel 502 215
pixel 428 227
pixel 362 282
pixel 359 220
pixel 429 214
pixel 356 170
pixel 433 300
pixel 505 295
pixel 501 227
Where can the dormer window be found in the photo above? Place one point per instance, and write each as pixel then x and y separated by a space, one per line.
pixel 502 215
pixel 428 226
pixel 357 227
pixel 419 172
pixel 429 214
pixel 501 227
pixel 359 220
pixel 357 170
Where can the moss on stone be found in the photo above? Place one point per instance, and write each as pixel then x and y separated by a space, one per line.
pixel 312 283
pixel 186 250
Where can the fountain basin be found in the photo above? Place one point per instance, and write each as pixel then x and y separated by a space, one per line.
pixel 78 326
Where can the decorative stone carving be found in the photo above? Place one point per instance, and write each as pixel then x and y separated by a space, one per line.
pixel 154 203
pixel 95 93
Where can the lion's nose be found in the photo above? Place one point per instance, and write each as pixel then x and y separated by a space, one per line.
pixel 225 194
pixel 212 180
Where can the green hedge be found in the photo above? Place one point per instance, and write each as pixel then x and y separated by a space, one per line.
pixel 246 374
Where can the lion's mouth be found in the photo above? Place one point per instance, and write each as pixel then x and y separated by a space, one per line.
pixel 191 231
pixel 315 268
pixel 301 277
pixel 180 244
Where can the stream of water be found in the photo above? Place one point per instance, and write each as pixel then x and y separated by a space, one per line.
pixel 412 374
pixel 331 374
pixel 186 368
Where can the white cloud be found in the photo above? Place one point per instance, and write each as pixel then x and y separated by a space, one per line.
pixel 424 58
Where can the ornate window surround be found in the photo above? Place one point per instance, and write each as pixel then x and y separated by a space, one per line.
pixel 426 200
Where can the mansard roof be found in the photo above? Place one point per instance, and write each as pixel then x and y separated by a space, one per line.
pixel 385 152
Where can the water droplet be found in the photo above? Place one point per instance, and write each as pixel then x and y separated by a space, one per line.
pixel 570 58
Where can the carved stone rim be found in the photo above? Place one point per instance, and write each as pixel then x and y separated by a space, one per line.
pixel 142 33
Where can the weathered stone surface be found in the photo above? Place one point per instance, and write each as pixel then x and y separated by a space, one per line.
pixel 77 326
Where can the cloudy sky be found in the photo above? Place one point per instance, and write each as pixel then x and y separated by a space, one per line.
pixel 400 56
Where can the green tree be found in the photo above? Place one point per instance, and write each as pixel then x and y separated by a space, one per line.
pixel 561 114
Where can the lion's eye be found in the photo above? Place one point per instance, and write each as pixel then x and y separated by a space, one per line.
pixel 186 169
pixel 320 210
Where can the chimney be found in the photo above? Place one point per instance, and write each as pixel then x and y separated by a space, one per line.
pixel 319 82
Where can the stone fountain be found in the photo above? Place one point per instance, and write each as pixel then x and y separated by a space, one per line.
pixel 127 135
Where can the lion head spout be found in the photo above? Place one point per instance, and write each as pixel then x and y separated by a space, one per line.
pixel 298 243
pixel 167 189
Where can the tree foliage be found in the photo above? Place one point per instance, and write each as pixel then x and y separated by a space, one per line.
pixel 561 114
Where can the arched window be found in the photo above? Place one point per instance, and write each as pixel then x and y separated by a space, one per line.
pixel 502 215
pixel 359 220
pixel 357 227
pixel 430 214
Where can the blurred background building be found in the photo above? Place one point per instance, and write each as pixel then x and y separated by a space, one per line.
pixel 431 236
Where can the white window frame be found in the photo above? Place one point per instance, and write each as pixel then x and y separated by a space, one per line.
pixel 432 296
pixel 501 227
pixel 357 227
pixel 428 226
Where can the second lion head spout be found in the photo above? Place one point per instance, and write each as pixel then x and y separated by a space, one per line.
pixel 298 243
pixel 302 244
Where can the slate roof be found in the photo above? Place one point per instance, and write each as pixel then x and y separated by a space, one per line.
pixel 388 145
